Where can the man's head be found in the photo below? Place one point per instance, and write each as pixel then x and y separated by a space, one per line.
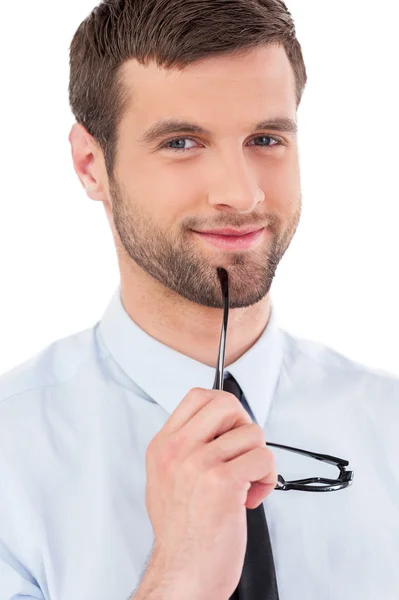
pixel 221 66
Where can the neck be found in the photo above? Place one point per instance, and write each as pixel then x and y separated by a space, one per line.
pixel 189 328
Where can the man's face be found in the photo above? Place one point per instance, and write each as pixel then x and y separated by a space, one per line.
pixel 233 176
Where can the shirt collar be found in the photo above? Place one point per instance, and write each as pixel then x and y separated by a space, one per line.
pixel 166 375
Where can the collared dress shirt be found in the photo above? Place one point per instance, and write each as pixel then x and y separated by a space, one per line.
pixel 75 422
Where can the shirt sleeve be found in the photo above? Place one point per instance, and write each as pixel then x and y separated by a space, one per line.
pixel 17 534
pixel 15 581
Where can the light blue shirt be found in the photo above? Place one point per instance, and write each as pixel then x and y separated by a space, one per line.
pixel 75 421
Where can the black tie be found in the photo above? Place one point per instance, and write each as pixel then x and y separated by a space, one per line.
pixel 258 578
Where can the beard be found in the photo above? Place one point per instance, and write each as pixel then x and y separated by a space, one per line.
pixel 178 262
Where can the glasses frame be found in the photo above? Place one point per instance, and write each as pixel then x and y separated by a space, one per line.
pixel 345 477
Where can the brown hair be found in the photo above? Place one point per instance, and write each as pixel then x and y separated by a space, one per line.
pixel 174 33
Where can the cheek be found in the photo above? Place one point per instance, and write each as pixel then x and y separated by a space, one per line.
pixel 280 182
pixel 174 190
pixel 165 196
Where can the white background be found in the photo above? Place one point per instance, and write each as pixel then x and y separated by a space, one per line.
pixel 338 282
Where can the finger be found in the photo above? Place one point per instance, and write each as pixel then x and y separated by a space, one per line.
pixel 192 402
pixel 257 493
pixel 219 416
pixel 256 465
pixel 231 444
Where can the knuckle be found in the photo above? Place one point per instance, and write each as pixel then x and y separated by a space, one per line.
pixel 224 405
pixel 189 469
pixel 162 452
pixel 270 455
pixel 170 449
pixel 211 454
pixel 178 440
pixel 263 457
pixel 216 478
pixel 270 459
pixel 229 399
pixel 230 404
pixel 199 394
pixel 151 449
pixel 257 434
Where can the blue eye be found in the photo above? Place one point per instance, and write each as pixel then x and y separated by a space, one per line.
pixel 181 139
pixel 167 145
pixel 268 137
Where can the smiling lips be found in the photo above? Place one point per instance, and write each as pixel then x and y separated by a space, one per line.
pixel 230 231
pixel 232 239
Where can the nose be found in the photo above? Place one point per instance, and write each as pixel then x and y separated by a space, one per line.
pixel 236 185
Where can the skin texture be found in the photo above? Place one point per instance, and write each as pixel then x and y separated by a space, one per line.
pixel 232 177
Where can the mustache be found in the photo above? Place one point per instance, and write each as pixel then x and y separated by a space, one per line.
pixel 271 222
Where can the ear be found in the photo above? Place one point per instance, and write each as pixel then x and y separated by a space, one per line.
pixel 88 162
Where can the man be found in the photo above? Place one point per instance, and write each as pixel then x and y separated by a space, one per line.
pixel 122 472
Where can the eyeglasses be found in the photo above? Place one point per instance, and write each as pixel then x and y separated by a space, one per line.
pixel 312 484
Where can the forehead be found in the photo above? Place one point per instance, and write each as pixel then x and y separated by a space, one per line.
pixel 258 82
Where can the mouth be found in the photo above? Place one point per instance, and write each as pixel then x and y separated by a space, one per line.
pixel 232 242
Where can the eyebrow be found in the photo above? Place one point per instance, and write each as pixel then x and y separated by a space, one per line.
pixel 172 126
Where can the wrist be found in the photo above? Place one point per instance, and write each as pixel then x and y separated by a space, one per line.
pixel 162 580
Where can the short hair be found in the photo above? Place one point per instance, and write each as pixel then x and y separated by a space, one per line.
pixel 174 33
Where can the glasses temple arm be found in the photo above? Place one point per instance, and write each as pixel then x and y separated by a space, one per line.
pixel 332 460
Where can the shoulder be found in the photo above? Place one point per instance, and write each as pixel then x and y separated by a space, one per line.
pixel 50 368
pixel 318 364
pixel 46 408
